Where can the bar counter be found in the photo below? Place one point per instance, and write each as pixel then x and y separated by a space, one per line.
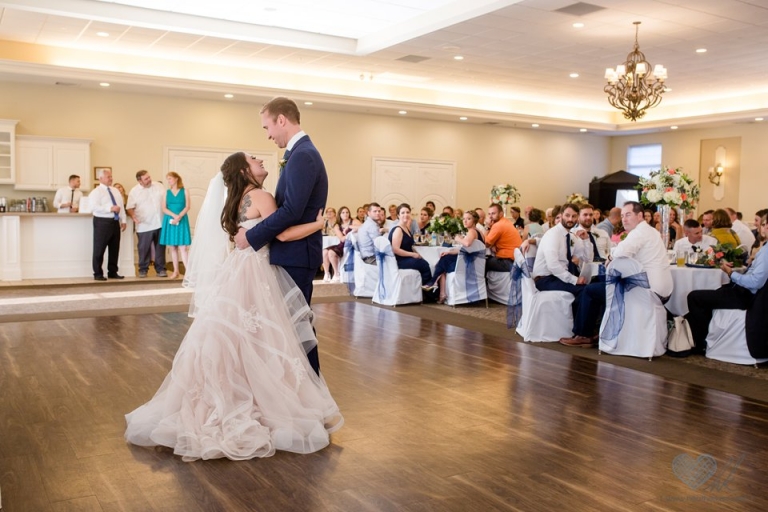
pixel 50 245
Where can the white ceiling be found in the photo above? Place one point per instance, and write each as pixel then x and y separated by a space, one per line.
pixel 347 54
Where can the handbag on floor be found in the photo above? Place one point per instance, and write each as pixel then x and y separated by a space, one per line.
pixel 680 339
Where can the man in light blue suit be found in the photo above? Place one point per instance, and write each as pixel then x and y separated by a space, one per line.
pixel 301 192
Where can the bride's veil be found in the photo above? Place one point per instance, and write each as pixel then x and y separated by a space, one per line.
pixel 210 245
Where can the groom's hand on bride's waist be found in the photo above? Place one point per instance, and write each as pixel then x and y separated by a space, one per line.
pixel 240 240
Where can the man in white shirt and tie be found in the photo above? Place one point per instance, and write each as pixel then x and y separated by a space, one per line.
pixel 694 240
pixel 555 269
pixel 108 223
pixel 145 207
pixel 598 243
pixel 67 199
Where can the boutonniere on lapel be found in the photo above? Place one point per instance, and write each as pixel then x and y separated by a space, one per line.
pixel 594 234
pixel 282 163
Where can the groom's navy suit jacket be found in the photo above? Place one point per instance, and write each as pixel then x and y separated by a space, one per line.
pixel 301 192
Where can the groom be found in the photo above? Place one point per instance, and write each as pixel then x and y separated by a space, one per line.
pixel 301 192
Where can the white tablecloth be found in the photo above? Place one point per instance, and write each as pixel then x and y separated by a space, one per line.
pixel 431 254
pixel 329 241
pixel 687 279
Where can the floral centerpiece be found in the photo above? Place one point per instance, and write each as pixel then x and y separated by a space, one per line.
pixel 575 198
pixel 445 224
pixel 504 194
pixel 713 256
pixel 670 187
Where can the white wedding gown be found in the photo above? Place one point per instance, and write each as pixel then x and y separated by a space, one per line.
pixel 241 386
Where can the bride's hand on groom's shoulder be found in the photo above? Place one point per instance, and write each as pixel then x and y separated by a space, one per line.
pixel 241 242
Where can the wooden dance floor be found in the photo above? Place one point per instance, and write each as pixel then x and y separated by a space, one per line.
pixel 438 418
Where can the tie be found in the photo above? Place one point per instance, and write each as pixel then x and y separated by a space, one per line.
pixel 115 215
pixel 572 268
pixel 597 256
pixel 72 199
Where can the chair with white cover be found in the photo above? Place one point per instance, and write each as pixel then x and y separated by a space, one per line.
pixel 347 262
pixel 499 284
pixel 635 320
pixel 394 286
pixel 467 283
pixel 545 315
pixel 363 274
pixel 727 338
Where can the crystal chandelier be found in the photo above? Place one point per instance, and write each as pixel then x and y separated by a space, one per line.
pixel 631 87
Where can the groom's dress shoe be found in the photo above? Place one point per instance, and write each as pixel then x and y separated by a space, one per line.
pixel 116 276
pixel 577 341
pixel 99 278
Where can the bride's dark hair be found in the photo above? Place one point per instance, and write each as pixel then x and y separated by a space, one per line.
pixel 238 178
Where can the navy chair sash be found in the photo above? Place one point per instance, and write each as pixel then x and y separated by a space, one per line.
pixel 621 285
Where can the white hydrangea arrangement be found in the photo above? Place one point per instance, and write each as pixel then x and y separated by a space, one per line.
pixel 670 187
pixel 504 194
pixel 575 198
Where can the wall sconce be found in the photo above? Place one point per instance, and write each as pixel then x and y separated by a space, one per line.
pixel 715 173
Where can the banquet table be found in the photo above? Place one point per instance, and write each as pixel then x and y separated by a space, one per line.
pixel 329 241
pixel 687 279
pixel 431 254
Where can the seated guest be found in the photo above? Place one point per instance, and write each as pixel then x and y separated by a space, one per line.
pixel 600 245
pixel 458 213
pixel 644 244
pixel 547 219
pixel 480 226
pixel 610 222
pixel 516 219
pixel 534 228
pixel 447 262
pixel 555 269
pixel 449 211
pixel 742 230
pixel 738 294
pixel 361 214
pixel 721 229
pixel 694 238
pixel 556 212
pixel 706 221
pixel 527 214
pixel 420 225
pixel 345 224
pixel 431 206
pixel 368 231
pixel 401 239
pixel 648 217
pixel 596 216
pixel 759 238
pixel 502 238
pixel 329 222
pixel 391 220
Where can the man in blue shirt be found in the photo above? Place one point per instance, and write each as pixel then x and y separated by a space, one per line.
pixel 738 294
pixel 368 232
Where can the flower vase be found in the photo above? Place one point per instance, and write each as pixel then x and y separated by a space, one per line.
pixel 664 212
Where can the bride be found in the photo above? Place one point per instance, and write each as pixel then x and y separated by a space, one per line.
pixel 240 386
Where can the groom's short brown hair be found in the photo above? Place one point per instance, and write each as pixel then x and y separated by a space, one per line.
pixel 285 106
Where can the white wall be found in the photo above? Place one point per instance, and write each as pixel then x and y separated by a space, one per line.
pixel 130 130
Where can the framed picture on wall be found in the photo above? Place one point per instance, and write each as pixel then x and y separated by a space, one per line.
pixel 97 170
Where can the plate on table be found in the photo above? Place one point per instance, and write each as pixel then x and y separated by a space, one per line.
pixel 694 265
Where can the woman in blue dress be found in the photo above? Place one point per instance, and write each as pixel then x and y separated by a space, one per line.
pixel 175 231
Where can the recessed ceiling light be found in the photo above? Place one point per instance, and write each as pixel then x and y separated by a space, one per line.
pixel 578 25
pixel 102 34
pixel 308 103
pixel 403 112
pixel 458 57
pixel 574 75
pixel 104 84
pixel 701 50
pixel 758 119
pixel 228 96
pixel 673 127
pixel 534 125
pixel 582 130
pixel 462 118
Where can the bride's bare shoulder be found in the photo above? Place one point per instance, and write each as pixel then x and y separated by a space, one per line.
pixel 256 203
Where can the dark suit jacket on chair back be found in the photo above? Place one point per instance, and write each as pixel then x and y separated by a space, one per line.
pixel 302 190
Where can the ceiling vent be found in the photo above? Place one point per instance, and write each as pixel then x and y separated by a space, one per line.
pixel 67 84
pixel 579 9
pixel 413 58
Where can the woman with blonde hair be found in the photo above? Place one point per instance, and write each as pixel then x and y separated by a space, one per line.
pixel 174 233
